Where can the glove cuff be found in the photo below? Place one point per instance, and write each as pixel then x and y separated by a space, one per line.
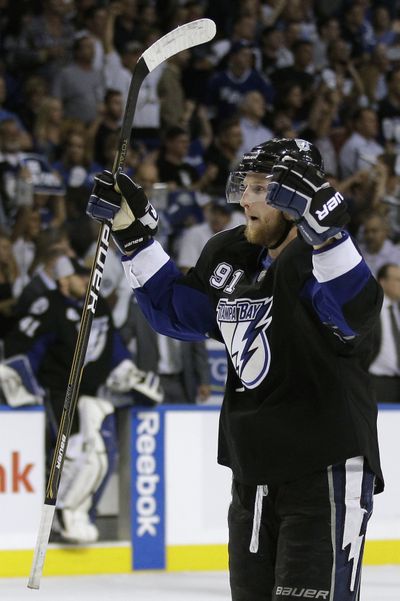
pixel 127 240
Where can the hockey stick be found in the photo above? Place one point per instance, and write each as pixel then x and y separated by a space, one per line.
pixel 183 37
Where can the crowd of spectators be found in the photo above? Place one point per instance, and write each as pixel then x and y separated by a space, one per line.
pixel 325 71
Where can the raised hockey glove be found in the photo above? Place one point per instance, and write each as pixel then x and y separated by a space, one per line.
pixel 104 202
pixel 134 220
pixel 301 191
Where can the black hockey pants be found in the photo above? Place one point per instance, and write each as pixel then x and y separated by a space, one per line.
pixel 310 539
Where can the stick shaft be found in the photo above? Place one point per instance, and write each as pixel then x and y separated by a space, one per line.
pixel 89 308
pixel 188 35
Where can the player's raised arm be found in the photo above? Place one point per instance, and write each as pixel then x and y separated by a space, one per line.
pixel 171 307
pixel 340 274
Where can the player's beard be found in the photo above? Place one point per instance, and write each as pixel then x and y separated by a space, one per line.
pixel 266 231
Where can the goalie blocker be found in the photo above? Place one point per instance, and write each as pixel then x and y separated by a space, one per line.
pixel 18 383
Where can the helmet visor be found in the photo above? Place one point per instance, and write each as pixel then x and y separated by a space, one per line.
pixel 237 185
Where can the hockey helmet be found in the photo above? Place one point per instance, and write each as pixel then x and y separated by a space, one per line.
pixel 263 157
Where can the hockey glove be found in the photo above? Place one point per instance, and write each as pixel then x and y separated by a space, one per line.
pixel 134 220
pixel 127 377
pixel 18 383
pixel 301 191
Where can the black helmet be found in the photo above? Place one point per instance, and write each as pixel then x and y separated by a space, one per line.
pixel 263 157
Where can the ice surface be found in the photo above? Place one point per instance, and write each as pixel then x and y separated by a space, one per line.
pixel 380 583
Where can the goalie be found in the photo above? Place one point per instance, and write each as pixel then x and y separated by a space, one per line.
pixel 39 355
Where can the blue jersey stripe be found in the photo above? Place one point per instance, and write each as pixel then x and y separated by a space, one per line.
pixel 174 309
pixel 329 298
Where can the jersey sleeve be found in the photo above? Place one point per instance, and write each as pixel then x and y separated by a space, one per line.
pixel 175 305
pixel 342 290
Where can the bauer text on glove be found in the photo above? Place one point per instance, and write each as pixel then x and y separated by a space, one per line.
pixel 301 191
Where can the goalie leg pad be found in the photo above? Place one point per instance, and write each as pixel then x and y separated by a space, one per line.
pixel 85 468
pixel 109 434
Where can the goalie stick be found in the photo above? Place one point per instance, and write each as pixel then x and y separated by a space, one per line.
pixel 183 37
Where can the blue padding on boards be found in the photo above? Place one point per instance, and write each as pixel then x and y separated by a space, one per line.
pixel 148 490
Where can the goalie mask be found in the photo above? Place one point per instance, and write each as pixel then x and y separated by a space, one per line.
pixel 263 157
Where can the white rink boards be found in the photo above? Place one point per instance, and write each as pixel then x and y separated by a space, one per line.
pixel 178 510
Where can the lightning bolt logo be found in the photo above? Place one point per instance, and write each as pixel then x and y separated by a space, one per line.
pixel 243 324
pixel 355 514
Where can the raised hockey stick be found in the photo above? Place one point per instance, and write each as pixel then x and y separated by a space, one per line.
pixel 183 37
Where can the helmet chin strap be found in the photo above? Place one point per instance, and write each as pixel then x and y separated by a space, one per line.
pixel 288 227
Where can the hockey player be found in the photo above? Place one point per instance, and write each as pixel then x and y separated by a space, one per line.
pixel 42 347
pixel 294 302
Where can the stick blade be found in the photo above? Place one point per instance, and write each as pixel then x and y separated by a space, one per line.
pixel 42 541
pixel 181 38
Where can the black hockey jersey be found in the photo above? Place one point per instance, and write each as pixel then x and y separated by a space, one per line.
pixel 48 334
pixel 297 331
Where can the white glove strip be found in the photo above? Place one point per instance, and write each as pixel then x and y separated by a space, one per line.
pixel 333 262
pixel 145 264
pixel 148 219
